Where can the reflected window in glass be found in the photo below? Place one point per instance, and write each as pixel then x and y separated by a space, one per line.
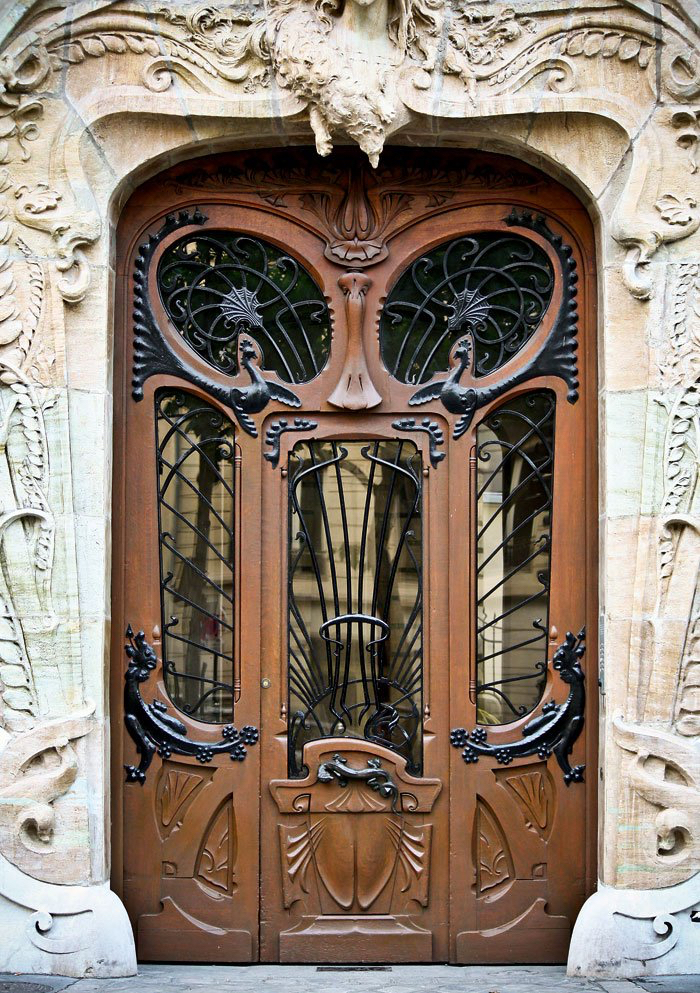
pixel 515 462
pixel 196 463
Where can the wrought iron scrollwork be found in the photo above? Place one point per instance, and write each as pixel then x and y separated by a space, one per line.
pixel 280 427
pixel 217 286
pixel 494 286
pixel 555 357
pixel 355 596
pixel 378 779
pixel 554 731
pixel 515 469
pixel 196 509
pixel 153 353
pixel 153 729
pixel 433 430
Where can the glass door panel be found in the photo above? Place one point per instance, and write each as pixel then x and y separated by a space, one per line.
pixel 355 596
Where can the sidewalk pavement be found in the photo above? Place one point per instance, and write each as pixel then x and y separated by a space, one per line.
pixel 348 979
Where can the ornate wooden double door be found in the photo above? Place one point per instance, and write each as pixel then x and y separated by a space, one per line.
pixel 355 538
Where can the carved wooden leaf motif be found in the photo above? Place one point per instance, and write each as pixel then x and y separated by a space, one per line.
pixel 493 862
pixel 217 856
pixel 297 845
pixel 535 795
pixel 355 860
pixel 355 389
pixel 356 799
pixel 175 792
pixel 357 209
pixel 413 849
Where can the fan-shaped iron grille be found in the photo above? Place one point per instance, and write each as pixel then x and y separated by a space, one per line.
pixel 493 286
pixel 218 285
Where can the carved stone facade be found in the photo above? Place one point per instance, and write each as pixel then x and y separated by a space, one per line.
pixel 95 97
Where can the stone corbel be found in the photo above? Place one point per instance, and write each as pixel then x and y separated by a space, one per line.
pixel 661 200
pixel 63 930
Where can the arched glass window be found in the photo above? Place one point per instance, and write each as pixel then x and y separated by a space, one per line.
pixel 494 286
pixel 515 463
pixel 217 286
pixel 196 506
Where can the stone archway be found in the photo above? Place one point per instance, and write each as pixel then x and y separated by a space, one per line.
pixel 94 99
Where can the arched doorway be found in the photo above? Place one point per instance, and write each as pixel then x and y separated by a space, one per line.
pixel 355 545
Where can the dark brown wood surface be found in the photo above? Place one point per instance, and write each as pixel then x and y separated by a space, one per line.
pixel 503 856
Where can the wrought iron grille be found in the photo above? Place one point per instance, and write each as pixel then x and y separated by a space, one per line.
pixel 515 462
pixel 219 285
pixel 494 287
pixel 195 460
pixel 355 596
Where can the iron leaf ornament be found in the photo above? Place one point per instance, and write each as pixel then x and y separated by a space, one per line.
pixel 554 731
pixel 153 729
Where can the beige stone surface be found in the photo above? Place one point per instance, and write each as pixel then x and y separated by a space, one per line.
pixel 94 98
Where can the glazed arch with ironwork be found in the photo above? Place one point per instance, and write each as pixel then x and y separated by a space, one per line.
pixel 488 313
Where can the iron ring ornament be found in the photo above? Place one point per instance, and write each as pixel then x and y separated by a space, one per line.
pixel 153 729
pixel 553 732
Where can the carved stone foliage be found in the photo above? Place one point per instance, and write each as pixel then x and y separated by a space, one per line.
pixel 37 768
pixel 670 645
pixel 358 70
pixel 27 524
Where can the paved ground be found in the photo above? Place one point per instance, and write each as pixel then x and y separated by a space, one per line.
pixel 313 979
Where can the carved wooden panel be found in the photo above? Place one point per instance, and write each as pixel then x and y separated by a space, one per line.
pixel 199 907
pixel 348 850
pixel 514 815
